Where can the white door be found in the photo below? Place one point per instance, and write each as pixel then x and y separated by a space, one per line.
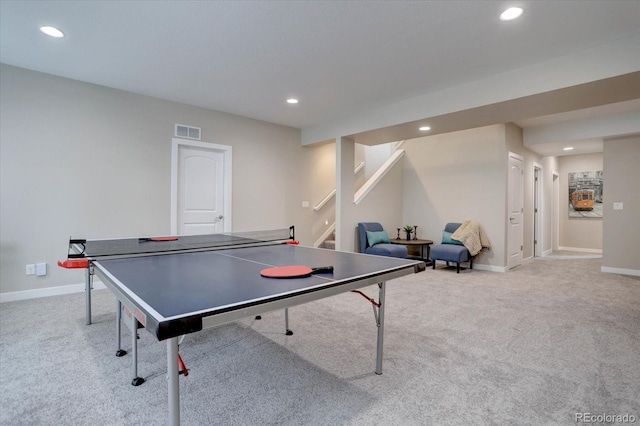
pixel 555 209
pixel 537 210
pixel 199 195
pixel 516 210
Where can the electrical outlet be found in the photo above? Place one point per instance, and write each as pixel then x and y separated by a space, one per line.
pixel 618 206
pixel 31 269
pixel 41 269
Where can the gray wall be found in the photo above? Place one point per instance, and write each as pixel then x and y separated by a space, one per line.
pixel 513 140
pixel 580 233
pixel 323 171
pixel 549 204
pixel 458 176
pixel 622 184
pixel 383 204
pixel 86 161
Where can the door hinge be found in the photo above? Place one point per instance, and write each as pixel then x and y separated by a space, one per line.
pixel 521 248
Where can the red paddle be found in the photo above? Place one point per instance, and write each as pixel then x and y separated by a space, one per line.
pixel 74 263
pixel 146 240
pixel 295 271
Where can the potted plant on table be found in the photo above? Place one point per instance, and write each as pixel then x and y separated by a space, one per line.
pixel 408 229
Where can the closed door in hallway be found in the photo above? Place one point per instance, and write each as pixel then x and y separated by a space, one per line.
pixel 516 210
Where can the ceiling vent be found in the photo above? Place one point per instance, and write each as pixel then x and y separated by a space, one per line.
pixel 187 132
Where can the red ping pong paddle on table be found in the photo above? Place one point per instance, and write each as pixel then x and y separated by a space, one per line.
pixel 145 240
pixel 295 271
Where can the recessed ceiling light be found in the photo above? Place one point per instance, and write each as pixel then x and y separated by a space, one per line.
pixel 292 101
pixel 52 31
pixel 424 128
pixel 569 148
pixel 511 14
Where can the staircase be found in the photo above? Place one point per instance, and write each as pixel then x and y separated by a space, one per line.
pixel 330 242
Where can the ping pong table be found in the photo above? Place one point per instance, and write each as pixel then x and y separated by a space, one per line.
pixel 180 286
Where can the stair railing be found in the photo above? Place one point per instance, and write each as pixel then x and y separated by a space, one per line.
pixel 377 176
pixel 364 190
pixel 332 194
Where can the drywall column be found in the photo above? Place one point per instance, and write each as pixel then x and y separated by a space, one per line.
pixel 621 209
pixel 345 209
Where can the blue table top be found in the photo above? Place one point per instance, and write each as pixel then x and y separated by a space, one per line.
pixel 186 286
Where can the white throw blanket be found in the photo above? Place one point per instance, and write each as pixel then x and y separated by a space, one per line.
pixel 472 236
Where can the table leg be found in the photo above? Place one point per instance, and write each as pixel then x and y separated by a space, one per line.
pixel 137 381
pixel 172 380
pixel 380 325
pixel 286 322
pixel 119 351
pixel 88 278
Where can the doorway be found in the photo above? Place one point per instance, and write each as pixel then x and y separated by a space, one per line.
pixel 200 188
pixel 537 210
pixel 555 212
pixel 515 204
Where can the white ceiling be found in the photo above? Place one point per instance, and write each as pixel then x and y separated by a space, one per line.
pixel 578 118
pixel 337 57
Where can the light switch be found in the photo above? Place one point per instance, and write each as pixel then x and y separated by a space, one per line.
pixel 305 204
pixel 31 269
pixel 618 206
pixel 41 269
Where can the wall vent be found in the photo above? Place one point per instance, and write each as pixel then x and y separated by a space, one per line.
pixel 187 132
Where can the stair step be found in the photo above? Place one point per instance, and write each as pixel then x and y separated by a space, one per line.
pixel 329 244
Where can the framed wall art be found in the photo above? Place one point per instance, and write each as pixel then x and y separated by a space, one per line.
pixel 585 194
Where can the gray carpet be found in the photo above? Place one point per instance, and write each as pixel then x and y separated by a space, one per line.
pixel 568 255
pixel 536 345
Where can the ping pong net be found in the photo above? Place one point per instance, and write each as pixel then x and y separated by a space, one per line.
pixel 82 249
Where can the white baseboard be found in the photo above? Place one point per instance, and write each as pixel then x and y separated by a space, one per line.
pixel 491 268
pixel 46 292
pixel 547 252
pixel 583 250
pixel 608 269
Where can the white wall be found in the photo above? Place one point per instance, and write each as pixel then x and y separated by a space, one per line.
pixel 578 233
pixel 90 162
